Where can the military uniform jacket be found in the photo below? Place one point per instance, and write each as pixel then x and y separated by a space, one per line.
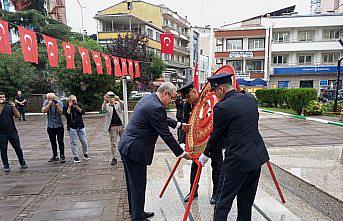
pixel 235 125
pixel 149 120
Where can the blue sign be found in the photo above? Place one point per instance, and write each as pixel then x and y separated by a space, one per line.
pixel 282 84
pixel 306 70
pixel 323 83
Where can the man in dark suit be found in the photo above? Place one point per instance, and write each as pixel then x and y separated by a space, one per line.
pixel 137 144
pixel 235 125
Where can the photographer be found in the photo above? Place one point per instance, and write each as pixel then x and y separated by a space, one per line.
pixel 114 120
pixel 54 110
pixel 9 133
pixel 76 128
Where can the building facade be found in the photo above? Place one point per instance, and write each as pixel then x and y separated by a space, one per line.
pixel 56 9
pixel 143 17
pixel 305 50
pixel 326 6
pixel 244 46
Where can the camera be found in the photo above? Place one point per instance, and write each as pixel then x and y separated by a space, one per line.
pixel 54 101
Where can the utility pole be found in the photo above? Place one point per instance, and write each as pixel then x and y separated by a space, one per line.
pixel 83 30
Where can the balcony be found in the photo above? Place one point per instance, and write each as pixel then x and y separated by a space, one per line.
pixel 181 50
pixel 176 64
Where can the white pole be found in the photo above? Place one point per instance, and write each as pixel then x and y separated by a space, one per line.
pixel 126 115
pixel 83 30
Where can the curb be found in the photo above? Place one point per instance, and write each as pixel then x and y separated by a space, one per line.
pixel 303 117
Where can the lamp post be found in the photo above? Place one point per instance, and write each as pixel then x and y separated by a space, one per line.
pixel 337 81
pixel 83 30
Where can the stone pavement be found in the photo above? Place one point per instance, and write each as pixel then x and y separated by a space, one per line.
pixel 90 190
pixel 95 190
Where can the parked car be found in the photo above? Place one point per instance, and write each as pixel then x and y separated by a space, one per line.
pixel 139 95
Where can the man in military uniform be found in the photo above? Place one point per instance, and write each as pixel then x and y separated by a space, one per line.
pixel 189 93
pixel 235 125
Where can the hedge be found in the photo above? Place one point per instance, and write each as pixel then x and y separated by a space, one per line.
pixel 296 99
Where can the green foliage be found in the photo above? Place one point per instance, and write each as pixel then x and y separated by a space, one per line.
pixel 314 108
pixel 299 98
pixel 271 97
pixel 15 74
pixel 296 99
pixel 328 107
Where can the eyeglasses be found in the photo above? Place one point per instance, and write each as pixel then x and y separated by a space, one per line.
pixel 171 96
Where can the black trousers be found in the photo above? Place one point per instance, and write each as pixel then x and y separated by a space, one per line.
pixel 21 110
pixel 136 176
pixel 216 163
pixel 13 138
pixel 241 184
pixel 59 133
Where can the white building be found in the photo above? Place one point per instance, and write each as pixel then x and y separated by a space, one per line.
pixel 305 50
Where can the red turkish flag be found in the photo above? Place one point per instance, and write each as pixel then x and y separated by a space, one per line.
pixel 28 42
pixel 5 44
pixel 131 68
pixel 167 43
pixel 69 54
pixel 86 61
pixel 137 69
pixel 117 70
pixel 108 64
pixel 123 66
pixel 97 60
pixel 52 50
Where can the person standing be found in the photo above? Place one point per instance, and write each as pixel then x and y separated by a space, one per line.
pixel 54 110
pixel 114 108
pixel 9 133
pixel 235 125
pixel 20 102
pixel 76 128
pixel 136 146
pixel 189 93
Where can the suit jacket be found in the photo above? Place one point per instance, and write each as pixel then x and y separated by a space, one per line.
pixel 149 120
pixel 235 126
pixel 109 112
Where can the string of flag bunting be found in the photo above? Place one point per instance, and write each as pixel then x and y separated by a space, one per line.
pixel 28 42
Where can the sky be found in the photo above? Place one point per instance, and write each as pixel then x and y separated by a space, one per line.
pixel 198 12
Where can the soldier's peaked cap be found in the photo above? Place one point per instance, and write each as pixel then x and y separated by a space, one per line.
pixel 185 89
pixel 219 79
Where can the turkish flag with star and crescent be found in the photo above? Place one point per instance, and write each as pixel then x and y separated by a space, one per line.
pixel 97 60
pixel 52 50
pixel 5 44
pixel 108 64
pixel 28 42
pixel 123 66
pixel 137 69
pixel 86 61
pixel 69 54
pixel 167 43
pixel 117 70
pixel 130 62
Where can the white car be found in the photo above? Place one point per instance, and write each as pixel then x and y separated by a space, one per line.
pixel 139 95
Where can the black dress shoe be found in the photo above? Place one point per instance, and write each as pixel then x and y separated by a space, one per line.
pixel 213 201
pixel 189 196
pixel 148 214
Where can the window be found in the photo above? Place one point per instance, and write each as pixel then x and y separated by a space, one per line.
pixel 305 59
pixel 334 34
pixel 282 84
pixel 281 36
pixel 306 36
pixel 280 59
pixel 219 44
pixel 237 65
pixel 330 57
pixel 306 84
pixel 150 33
pixel 165 22
pixel 158 37
pixel 234 44
pixel 257 43
pixel 255 65
pixel 219 61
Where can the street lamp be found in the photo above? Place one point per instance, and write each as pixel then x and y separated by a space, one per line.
pixel 83 30
pixel 337 81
